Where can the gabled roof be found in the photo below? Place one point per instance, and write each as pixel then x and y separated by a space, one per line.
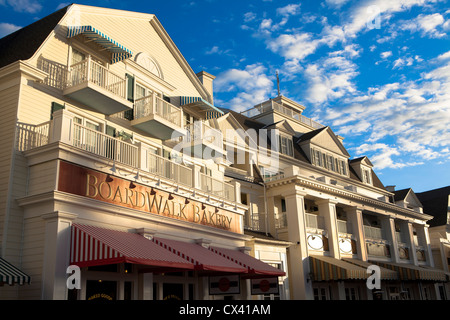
pixel 401 194
pixel 362 159
pixel 436 203
pixel 315 134
pixel 22 44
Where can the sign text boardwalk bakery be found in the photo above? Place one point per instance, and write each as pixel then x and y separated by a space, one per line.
pixel 93 184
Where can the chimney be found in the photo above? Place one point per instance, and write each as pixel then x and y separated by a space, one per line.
pixel 207 80
pixel 340 138
pixel 390 188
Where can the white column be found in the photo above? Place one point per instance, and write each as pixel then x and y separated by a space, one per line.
pixel 354 215
pixel 299 284
pixel 62 127
pixel 408 227
pixel 388 225
pixel 422 233
pixel 56 255
pixel 146 286
pixel 327 209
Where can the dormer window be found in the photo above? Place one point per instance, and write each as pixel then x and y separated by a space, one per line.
pixel 366 176
pixel 285 145
pixel 328 161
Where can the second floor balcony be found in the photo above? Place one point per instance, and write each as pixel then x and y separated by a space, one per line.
pixel 97 87
pixel 97 147
pixel 155 116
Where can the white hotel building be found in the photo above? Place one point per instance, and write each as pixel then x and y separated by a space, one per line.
pixel 116 160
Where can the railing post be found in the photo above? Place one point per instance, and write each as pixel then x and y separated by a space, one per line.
pixel 88 71
pixel 196 180
pixel 62 127
pixel 143 157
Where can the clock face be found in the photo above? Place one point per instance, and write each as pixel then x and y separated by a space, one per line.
pixel 145 61
pixel 315 241
pixel 345 245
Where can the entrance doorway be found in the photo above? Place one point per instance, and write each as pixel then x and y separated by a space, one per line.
pixel 101 290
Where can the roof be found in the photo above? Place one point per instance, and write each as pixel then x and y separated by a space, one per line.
pixel 436 202
pixel 299 154
pixel 22 44
pixel 309 135
pixel 401 194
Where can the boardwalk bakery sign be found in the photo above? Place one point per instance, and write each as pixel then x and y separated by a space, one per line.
pixel 95 185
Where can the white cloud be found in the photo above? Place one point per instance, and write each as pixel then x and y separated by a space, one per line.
pixel 29 6
pixel 386 54
pixel 7 28
pixel 290 9
pixel 431 25
pixel 250 84
pixel 249 16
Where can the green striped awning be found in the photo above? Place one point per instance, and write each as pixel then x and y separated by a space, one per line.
pixel 118 51
pixel 412 272
pixel 11 275
pixel 386 274
pixel 202 106
pixel 325 268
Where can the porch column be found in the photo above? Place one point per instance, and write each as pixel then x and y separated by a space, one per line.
pixel 299 284
pixel 327 209
pixel 354 214
pixel 407 228
pixel 422 233
pixel 62 127
pixel 56 255
pixel 388 225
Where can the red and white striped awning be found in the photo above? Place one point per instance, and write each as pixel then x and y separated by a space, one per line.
pixel 201 257
pixel 93 246
pixel 254 266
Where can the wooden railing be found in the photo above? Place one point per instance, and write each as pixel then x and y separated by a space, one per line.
pixel 200 131
pixel 314 221
pixel 91 71
pixel 217 187
pixel 32 136
pixel 272 105
pixel 152 104
pixel 103 145
pixel 171 170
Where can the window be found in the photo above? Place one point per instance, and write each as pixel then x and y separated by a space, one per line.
pixel 77 56
pixel 286 146
pixel 328 161
pixel 366 176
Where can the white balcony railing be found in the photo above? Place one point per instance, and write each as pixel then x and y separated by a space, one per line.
pixel 199 131
pixel 150 105
pixel 165 168
pixel 373 233
pixel 344 227
pixel 63 129
pixel 153 104
pixel 272 105
pixel 314 221
pixel 32 136
pixel 103 145
pixel 90 71
pixel 217 187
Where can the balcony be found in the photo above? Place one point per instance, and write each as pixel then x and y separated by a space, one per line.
pixel 217 187
pixel 291 113
pixel 202 141
pixel 97 87
pixel 87 146
pixel 157 117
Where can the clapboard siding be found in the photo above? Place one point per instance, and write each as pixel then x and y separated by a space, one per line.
pixel 42 177
pixel 9 98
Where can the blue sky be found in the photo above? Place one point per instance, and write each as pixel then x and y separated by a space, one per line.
pixel 377 72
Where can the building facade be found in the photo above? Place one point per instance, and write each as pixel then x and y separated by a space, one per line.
pixel 118 163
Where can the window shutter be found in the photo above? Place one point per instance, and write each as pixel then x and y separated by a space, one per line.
pixel 55 107
pixel 130 87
